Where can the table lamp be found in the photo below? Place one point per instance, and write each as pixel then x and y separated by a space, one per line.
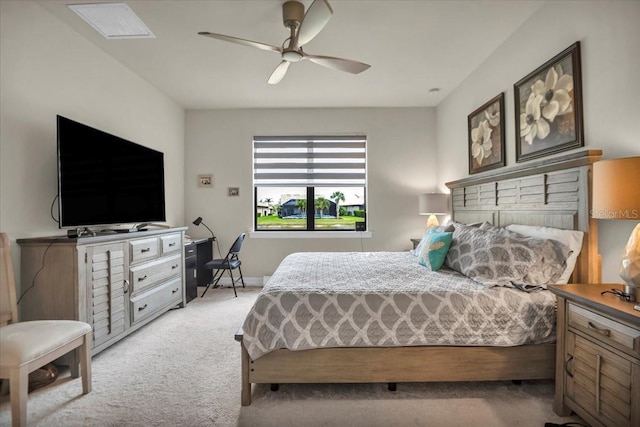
pixel 433 204
pixel 616 195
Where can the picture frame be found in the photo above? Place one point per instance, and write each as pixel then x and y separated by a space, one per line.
pixel 486 133
pixel 233 191
pixel 205 180
pixel 548 107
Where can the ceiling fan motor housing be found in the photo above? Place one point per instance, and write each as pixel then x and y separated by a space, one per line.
pixel 292 13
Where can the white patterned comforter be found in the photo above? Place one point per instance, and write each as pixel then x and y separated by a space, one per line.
pixel 386 299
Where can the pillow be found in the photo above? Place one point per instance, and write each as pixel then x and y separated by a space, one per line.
pixel 435 249
pixel 551 263
pixel 489 258
pixel 438 229
pixel 571 238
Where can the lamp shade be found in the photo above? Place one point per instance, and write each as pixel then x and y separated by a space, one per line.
pixel 616 189
pixel 433 204
pixel 616 195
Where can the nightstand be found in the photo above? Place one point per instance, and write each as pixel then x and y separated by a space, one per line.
pixel 415 242
pixel 597 356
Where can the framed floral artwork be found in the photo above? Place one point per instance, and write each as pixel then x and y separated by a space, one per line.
pixel 486 136
pixel 548 107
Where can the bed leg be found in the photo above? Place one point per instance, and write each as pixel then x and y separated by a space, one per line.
pixel 245 398
pixel 275 387
pixel 392 386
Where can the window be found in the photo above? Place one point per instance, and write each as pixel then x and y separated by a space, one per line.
pixel 312 183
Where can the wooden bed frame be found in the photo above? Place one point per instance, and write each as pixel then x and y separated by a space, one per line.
pixel 554 193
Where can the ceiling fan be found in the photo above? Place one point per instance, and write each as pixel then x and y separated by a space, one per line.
pixel 304 27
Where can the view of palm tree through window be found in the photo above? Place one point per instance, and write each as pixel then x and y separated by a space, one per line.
pixel 287 208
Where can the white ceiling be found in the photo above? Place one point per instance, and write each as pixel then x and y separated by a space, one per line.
pixel 412 47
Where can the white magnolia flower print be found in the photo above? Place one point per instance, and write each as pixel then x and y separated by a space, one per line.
pixel 532 124
pixel 555 93
pixel 493 115
pixel 481 141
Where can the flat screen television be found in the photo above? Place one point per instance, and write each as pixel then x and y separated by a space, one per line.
pixel 106 180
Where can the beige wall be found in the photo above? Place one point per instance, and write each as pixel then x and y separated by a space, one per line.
pixel 401 164
pixel 609 34
pixel 47 69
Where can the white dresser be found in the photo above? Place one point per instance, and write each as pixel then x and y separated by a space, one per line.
pixel 115 282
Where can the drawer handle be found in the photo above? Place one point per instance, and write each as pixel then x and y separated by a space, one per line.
pixel 605 332
pixel 566 366
pixel 175 290
pixel 173 267
pixel 145 250
pixel 140 279
pixel 172 244
pixel 142 308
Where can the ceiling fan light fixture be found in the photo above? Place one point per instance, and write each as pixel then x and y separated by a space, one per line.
pixel 291 56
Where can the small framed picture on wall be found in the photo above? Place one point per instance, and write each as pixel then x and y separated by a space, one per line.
pixel 233 191
pixel 205 180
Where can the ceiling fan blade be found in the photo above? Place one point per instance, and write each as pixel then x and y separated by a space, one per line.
pixel 314 21
pixel 279 73
pixel 348 65
pixel 244 42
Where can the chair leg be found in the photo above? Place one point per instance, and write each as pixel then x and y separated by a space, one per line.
pixel 241 278
pixel 19 387
pixel 233 283
pixel 85 363
pixel 214 281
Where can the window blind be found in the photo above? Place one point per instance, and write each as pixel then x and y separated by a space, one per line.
pixel 311 161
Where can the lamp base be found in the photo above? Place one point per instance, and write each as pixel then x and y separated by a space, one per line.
pixel 630 265
pixel 630 292
pixel 432 222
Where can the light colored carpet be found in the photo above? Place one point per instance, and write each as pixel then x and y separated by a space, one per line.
pixel 183 369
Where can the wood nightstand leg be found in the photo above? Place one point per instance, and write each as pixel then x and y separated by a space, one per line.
pixel 559 406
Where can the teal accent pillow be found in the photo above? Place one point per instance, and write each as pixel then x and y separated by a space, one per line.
pixel 435 248
pixel 439 229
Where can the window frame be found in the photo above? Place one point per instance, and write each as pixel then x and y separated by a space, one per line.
pixel 311 189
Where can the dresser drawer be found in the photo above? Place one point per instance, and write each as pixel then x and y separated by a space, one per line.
pixel 604 329
pixel 148 274
pixel 143 249
pixel 170 243
pixel 155 299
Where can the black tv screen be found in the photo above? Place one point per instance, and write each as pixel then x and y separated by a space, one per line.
pixel 106 180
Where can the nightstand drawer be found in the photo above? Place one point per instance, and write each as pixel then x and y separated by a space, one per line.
pixel 604 329
pixel 599 381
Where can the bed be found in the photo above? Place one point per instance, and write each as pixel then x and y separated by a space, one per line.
pixel 551 193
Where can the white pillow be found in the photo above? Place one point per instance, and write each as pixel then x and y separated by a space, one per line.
pixel 571 238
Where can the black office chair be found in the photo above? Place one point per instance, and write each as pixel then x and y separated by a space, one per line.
pixel 228 263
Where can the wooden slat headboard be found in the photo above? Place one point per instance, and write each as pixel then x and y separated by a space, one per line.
pixel 554 193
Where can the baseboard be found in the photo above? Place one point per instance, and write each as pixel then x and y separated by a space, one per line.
pixel 248 281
